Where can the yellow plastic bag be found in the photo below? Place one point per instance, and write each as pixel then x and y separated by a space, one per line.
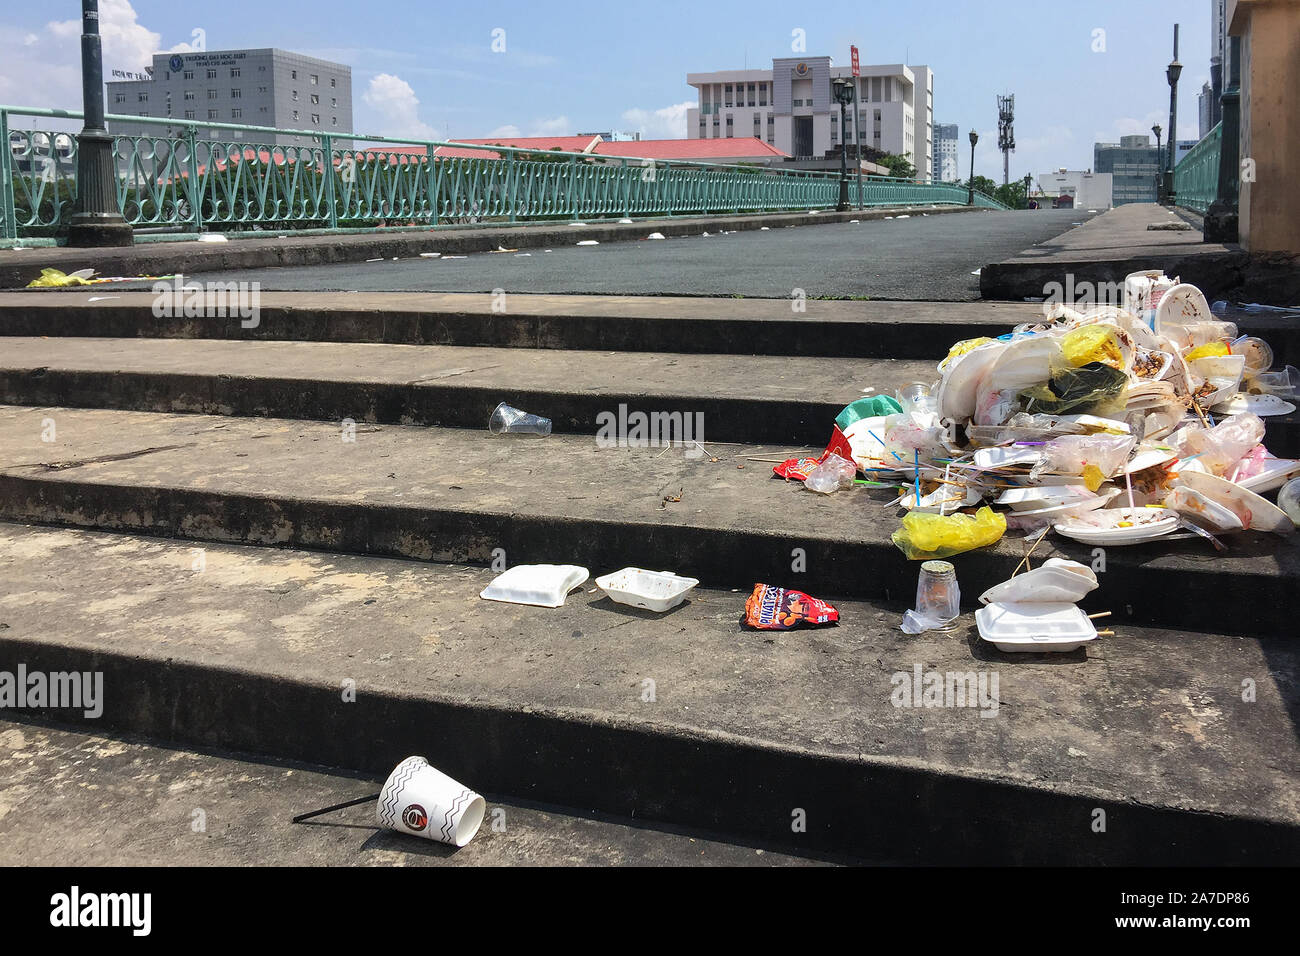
pixel 53 278
pixel 1093 343
pixel 924 536
pixel 962 347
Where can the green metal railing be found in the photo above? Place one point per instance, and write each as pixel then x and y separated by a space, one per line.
pixel 181 180
pixel 1196 177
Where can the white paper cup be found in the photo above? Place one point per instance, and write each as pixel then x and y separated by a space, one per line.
pixel 423 801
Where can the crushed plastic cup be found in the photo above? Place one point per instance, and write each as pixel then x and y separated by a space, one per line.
pixel 507 420
pixel 833 474
pixel 420 800
pixel 938 599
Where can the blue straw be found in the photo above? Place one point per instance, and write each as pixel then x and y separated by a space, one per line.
pixel 916 473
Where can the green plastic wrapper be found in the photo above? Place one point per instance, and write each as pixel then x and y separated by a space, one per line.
pixel 924 536
pixel 873 407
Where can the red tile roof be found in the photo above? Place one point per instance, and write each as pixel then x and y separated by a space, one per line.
pixel 566 144
pixel 702 150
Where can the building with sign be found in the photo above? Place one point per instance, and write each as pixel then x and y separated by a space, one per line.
pixel 791 107
pixel 265 87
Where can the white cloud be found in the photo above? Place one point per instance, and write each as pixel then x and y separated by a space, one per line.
pixel 397 107
pixel 554 126
pixel 667 122
pixel 44 68
pixel 504 132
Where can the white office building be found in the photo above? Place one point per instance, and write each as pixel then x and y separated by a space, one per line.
pixel 264 87
pixel 792 107
pixel 1089 190
pixel 945 153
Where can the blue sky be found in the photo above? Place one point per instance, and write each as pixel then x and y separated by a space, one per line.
pixel 429 69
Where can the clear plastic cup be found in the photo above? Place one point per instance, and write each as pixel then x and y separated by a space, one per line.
pixel 507 420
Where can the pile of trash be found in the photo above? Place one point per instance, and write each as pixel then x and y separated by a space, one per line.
pixel 1114 426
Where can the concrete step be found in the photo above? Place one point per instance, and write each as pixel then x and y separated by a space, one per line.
pixel 80 798
pixel 683 718
pixel 460 495
pixel 849 329
pixel 762 399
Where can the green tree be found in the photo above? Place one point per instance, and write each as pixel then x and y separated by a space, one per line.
pixel 900 167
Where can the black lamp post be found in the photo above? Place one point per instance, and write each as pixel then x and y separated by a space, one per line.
pixel 97 221
pixel 1172 73
pixel 974 138
pixel 1160 179
pixel 843 95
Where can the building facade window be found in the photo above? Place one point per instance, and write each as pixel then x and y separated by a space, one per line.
pixel 315 99
pixel 236 113
pixel 293 74
pixel 212 74
pixel 212 114
pixel 751 99
pixel 234 72
pixel 119 97
pixel 188 74
pixel 727 95
pixel 143 97
pixel 236 95
pixel 212 94
pixel 315 118
pixel 189 114
pixel 189 94
pixel 315 79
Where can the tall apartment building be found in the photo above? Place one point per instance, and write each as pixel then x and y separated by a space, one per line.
pixel 945 159
pixel 792 107
pixel 259 87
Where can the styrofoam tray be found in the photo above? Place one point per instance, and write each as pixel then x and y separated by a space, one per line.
pixel 542 585
pixel 653 590
pixel 1055 581
pixel 1035 628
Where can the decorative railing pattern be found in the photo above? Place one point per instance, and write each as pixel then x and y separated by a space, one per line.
pixel 178 179
pixel 1196 177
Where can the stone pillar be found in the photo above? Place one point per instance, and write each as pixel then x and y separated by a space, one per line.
pixel 1269 198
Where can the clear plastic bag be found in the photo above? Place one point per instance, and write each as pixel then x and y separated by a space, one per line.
pixel 832 475
pixel 1220 447
pixel 925 536
pixel 1071 454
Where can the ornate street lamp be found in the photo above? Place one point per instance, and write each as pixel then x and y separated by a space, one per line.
pixel 974 138
pixel 1160 179
pixel 1172 73
pixel 843 90
pixel 97 221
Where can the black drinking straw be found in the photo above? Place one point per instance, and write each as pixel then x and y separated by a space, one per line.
pixel 338 806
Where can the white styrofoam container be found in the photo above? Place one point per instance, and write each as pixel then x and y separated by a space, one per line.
pixel 1035 628
pixel 542 585
pixel 652 590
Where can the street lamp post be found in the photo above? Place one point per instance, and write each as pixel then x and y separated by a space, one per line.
pixel 974 138
pixel 1172 73
pixel 97 221
pixel 843 95
pixel 1160 179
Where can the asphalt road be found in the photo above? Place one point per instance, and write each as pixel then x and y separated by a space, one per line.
pixel 919 257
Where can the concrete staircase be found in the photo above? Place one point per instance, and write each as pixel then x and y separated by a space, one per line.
pixel 263 551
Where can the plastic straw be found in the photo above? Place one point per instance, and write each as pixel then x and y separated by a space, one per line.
pixel 1128 480
pixel 916 473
